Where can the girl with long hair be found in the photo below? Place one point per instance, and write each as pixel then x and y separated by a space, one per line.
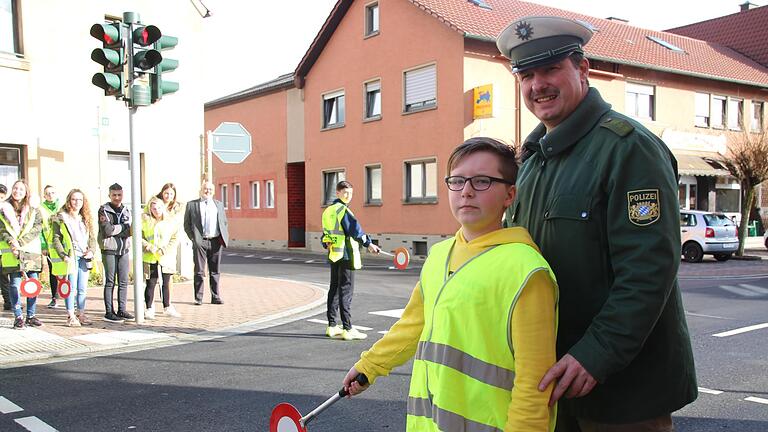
pixel 72 252
pixel 159 241
pixel 20 227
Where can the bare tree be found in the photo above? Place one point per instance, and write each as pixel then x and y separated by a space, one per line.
pixel 747 160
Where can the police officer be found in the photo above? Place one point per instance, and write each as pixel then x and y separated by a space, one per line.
pixel 598 193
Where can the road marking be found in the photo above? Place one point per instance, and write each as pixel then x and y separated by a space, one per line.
pixel 384 332
pixel 756 399
pixel 309 261
pixel 741 330
pixel 287 259
pixel 393 313
pixel 755 288
pixel 34 424
pixel 705 316
pixel 7 407
pixel 249 256
pixel 269 257
pixel 709 391
pixel 740 291
pixel 231 254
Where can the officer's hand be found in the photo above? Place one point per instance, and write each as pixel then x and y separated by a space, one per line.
pixel 353 387
pixel 372 248
pixel 45 252
pixel 572 379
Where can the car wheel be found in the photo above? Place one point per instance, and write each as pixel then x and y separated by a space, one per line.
pixel 692 252
pixel 723 257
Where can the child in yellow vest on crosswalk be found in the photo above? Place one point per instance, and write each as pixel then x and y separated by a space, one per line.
pixel 482 321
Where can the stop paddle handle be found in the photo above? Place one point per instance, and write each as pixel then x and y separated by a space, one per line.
pixel 360 378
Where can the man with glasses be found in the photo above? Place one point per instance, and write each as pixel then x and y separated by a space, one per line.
pixel 598 193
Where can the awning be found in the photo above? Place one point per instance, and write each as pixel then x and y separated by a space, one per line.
pixel 697 165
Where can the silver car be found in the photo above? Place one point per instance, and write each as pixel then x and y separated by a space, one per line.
pixel 707 233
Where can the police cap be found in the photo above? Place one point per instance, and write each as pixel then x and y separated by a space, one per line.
pixel 535 41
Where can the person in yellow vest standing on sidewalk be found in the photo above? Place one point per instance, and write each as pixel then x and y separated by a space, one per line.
pixel 342 236
pixel 482 320
pixel 159 240
pixel 71 252
pixel 49 207
pixel 20 227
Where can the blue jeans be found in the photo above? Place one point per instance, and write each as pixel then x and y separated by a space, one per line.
pixel 16 297
pixel 78 284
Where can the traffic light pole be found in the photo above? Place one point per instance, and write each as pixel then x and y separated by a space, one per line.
pixel 138 265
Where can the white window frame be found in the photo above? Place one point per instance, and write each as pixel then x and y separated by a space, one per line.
pixel 735 120
pixel 329 188
pixel 372 21
pixel 255 194
pixel 424 181
pixel 420 88
pixel 721 118
pixel 635 93
pixel 269 194
pixel 702 115
pixel 237 199
pixel 337 116
pixel 369 87
pixel 224 195
pixel 369 184
pixel 757 120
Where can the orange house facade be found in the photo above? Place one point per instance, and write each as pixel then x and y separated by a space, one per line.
pixel 388 88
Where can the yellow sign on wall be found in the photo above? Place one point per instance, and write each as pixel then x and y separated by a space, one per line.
pixel 483 106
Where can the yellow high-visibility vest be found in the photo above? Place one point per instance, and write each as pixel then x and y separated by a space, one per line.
pixel 7 258
pixel 59 267
pixel 336 239
pixel 464 367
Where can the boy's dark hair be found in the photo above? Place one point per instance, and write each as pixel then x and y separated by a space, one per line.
pixel 115 187
pixel 3 189
pixel 506 154
pixel 343 185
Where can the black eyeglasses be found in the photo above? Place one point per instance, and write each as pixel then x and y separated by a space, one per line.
pixel 479 183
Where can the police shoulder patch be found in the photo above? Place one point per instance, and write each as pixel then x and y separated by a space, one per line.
pixel 643 206
pixel 618 126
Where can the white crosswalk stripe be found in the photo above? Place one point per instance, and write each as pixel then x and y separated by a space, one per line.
pixel 325 323
pixel 269 257
pixel 287 259
pixel 756 399
pixel 7 407
pixel 741 290
pixel 34 424
pixel 393 313
pixel 709 391
pixel 249 256
pixel 741 330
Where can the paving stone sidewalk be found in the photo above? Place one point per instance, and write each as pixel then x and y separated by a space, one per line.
pixel 248 301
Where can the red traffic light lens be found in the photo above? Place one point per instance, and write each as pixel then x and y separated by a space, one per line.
pixel 144 36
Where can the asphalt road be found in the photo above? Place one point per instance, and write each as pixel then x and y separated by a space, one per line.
pixel 232 384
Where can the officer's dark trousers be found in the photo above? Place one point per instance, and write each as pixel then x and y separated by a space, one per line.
pixel 207 253
pixel 115 264
pixel 52 279
pixel 4 283
pixel 567 423
pixel 340 293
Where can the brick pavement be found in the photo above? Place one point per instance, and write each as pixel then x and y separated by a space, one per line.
pixel 247 300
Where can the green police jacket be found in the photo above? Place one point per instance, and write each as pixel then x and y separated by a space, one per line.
pixel 598 194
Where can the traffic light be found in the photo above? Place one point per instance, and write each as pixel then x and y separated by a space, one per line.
pixel 111 56
pixel 158 85
pixel 144 36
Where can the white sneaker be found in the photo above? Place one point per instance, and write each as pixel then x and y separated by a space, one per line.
pixel 333 332
pixel 150 313
pixel 171 311
pixel 353 334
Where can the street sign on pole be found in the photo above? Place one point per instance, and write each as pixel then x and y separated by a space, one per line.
pixel 231 142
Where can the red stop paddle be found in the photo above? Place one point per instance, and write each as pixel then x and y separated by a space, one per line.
pixel 64 287
pixel 400 257
pixel 30 287
pixel 286 418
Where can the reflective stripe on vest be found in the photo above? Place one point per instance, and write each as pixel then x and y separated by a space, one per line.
pixel 464 368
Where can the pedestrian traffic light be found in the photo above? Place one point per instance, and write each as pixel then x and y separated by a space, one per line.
pixel 144 36
pixel 159 86
pixel 111 56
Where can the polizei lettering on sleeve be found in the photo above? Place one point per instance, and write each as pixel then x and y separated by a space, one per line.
pixel 643 207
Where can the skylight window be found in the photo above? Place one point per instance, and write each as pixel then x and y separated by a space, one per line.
pixel 666 44
pixel 480 3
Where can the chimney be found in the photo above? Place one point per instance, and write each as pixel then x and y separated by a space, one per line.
pixel 746 6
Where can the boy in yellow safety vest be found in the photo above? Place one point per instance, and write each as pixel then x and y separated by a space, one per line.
pixel 482 321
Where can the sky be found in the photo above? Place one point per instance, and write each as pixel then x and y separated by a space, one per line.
pixel 276 34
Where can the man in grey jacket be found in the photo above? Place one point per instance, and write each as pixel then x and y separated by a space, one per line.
pixel 114 241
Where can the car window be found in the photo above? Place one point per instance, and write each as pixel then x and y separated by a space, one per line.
pixel 687 219
pixel 717 220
